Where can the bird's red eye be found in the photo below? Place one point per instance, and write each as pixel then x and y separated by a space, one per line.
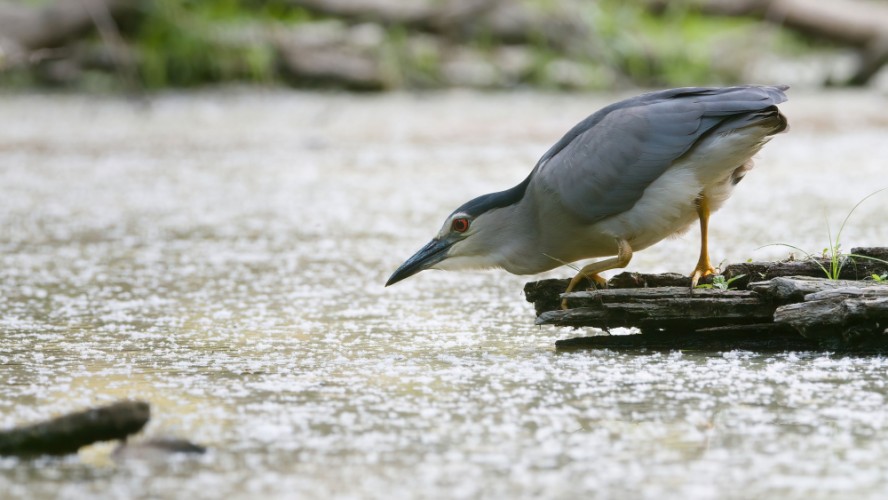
pixel 460 225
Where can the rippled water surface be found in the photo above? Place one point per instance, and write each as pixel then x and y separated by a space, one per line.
pixel 221 255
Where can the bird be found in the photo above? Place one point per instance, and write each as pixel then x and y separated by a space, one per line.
pixel 628 176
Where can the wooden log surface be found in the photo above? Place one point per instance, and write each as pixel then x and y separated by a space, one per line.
pixel 812 309
pixel 785 290
pixel 665 308
pixel 852 314
pixel 546 294
pixel 862 263
pixel 68 433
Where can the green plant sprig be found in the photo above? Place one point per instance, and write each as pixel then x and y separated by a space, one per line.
pixel 719 282
pixel 833 252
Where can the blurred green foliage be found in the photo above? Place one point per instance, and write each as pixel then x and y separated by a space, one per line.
pixel 182 43
pixel 672 49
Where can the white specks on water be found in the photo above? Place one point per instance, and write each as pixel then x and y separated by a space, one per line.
pixel 222 256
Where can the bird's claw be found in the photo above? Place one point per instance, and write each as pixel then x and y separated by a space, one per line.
pixel 597 283
pixel 700 272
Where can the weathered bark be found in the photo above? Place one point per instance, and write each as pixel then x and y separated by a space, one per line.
pixel 545 294
pixel 853 268
pixel 67 434
pixel 666 308
pixel 789 290
pixel 856 315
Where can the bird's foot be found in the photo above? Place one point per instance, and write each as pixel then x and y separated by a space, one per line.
pixel 624 255
pixel 596 280
pixel 702 269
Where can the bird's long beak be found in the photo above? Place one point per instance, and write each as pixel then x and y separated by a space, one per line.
pixel 435 251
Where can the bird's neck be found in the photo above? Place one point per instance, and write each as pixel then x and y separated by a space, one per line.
pixel 518 237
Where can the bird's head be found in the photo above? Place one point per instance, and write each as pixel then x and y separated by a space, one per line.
pixel 475 236
pixel 451 248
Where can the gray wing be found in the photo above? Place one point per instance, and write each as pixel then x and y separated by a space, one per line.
pixel 602 166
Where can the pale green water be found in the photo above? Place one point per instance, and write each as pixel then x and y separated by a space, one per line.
pixel 222 255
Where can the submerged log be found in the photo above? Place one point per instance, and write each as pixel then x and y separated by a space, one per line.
pixel 67 434
pixel 769 304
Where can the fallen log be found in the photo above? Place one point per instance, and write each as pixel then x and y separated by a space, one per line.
pixel 788 290
pixel 68 433
pixel 851 315
pixel 860 264
pixel 545 294
pixel 660 309
pixel 771 306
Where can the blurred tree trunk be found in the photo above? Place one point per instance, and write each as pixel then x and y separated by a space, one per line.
pixel 858 23
pixel 45 38
pixel 52 26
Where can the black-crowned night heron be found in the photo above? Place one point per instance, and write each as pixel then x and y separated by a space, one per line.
pixel 621 180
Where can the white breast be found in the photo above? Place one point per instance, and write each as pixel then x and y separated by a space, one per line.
pixel 668 204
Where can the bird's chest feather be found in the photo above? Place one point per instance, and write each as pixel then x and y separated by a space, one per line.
pixel 667 206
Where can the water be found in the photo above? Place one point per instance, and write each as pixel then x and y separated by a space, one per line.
pixel 221 255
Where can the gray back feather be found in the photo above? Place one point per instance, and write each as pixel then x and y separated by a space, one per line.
pixel 602 166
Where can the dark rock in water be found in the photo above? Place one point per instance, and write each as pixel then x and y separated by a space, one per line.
pixel 67 434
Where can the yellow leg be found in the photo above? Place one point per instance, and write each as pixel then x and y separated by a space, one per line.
pixel 704 267
pixel 624 255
